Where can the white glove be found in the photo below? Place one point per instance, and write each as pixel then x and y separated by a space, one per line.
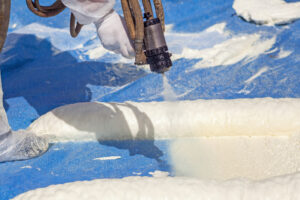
pixel 111 27
pixel 114 36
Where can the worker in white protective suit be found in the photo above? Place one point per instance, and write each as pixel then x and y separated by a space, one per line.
pixel 111 29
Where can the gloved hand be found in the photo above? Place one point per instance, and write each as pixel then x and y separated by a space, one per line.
pixel 111 27
pixel 114 36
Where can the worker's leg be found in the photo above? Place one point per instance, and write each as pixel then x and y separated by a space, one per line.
pixel 111 27
pixel 17 145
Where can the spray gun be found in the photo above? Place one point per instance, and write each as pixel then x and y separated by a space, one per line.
pixel 156 50
pixel 148 36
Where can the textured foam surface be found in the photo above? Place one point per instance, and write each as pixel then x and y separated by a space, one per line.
pixel 279 188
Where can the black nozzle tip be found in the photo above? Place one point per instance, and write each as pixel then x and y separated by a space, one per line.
pixel 159 59
pixel 160 63
pixel 161 67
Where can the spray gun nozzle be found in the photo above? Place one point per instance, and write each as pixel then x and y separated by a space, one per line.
pixel 156 49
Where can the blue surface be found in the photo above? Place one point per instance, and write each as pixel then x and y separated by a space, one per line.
pixel 75 162
pixel 38 76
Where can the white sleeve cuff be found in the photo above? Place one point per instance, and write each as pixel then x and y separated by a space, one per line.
pixel 89 11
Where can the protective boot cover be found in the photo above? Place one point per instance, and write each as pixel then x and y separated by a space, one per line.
pixel 17 145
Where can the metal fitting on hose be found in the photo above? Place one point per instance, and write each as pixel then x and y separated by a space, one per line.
pixel 140 58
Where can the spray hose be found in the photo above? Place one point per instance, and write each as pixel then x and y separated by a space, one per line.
pixel 4 20
pixel 53 10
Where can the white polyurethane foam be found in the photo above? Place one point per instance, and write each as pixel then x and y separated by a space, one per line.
pixel 170 120
pixel 131 188
pixel 214 139
pixel 269 12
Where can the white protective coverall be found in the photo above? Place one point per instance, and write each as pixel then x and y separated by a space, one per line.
pixel 111 29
